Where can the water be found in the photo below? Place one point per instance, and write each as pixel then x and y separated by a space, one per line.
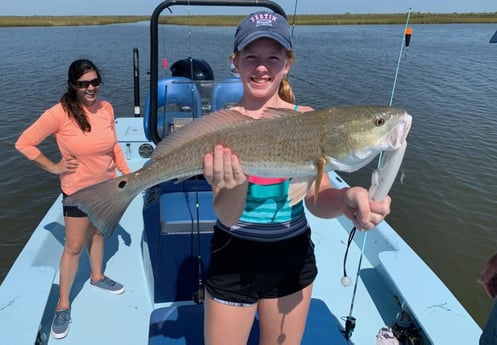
pixel 445 209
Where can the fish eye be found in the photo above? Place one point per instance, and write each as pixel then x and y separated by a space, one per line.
pixel 379 121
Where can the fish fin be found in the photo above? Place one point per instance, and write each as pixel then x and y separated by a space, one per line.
pixel 181 179
pixel 319 176
pixel 184 178
pixel 104 203
pixel 220 119
pixel 277 112
pixel 299 186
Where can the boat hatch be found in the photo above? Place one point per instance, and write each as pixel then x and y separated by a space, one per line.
pixel 178 236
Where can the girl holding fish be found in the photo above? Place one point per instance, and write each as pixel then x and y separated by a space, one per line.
pixel 262 256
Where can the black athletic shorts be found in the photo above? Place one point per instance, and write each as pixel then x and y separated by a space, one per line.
pixel 241 272
pixel 72 211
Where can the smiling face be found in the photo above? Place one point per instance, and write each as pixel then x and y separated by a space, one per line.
pixel 87 87
pixel 262 65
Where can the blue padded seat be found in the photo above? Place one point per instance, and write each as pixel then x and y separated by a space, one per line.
pixel 181 100
pixel 226 93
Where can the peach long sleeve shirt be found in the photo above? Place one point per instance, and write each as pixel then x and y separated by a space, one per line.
pixel 97 152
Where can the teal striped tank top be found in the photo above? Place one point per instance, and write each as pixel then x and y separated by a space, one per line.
pixel 267 215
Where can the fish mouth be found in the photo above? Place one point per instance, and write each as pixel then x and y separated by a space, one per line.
pixel 399 133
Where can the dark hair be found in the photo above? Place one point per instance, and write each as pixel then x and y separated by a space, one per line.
pixel 69 100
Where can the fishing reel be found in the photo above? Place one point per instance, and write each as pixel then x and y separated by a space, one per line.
pixel 403 331
pixel 199 292
pixel 349 327
pixel 198 295
pixel 404 328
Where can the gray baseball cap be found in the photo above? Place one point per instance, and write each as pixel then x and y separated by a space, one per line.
pixel 263 24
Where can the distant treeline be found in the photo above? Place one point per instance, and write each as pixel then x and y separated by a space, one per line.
pixel 232 20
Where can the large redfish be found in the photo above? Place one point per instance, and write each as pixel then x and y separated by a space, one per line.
pixel 282 143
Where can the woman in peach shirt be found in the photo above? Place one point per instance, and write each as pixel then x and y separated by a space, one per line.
pixel 83 127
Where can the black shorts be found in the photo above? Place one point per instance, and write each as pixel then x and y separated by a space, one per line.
pixel 241 272
pixel 72 211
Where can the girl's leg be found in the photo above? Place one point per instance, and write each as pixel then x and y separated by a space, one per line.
pixel 282 320
pixel 226 324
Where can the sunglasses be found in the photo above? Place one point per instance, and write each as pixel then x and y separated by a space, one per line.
pixel 84 84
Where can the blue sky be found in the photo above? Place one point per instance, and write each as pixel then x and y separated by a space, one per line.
pixel 145 7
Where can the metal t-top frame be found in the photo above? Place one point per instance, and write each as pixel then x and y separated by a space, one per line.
pixel 154 44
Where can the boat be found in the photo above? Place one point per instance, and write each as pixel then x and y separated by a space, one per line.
pixel 161 248
pixel 493 39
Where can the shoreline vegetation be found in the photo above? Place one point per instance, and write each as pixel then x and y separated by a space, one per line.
pixel 232 20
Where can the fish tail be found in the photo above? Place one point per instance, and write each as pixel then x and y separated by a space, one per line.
pixel 104 203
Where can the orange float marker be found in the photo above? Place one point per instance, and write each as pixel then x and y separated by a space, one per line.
pixel 408 36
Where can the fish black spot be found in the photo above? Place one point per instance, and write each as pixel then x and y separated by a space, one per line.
pixel 379 121
pixel 122 184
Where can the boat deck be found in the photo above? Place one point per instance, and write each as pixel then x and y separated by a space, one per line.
pixel 96 313
pixel 134 312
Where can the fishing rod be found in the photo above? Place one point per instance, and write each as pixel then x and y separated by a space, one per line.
pixel 294 17
pixel 405 39
pixel 198 292
pixel 350 321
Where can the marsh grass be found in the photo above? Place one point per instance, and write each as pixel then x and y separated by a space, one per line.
pixel 232 20
pixel 67 20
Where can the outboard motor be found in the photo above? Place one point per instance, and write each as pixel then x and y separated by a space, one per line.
pixel 195 69
pixel 199 71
